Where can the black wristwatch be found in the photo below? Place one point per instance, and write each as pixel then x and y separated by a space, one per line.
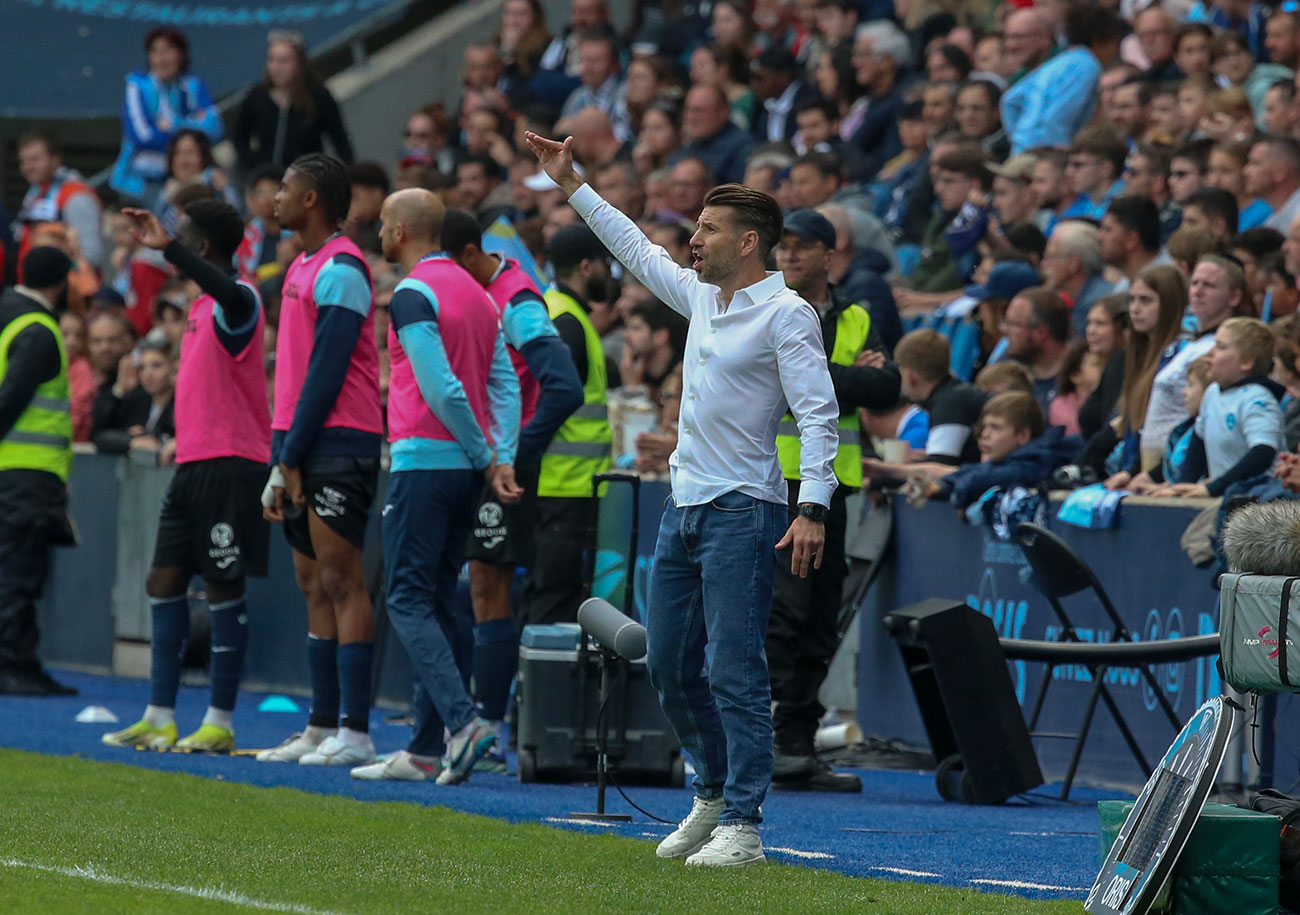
pixel 813 512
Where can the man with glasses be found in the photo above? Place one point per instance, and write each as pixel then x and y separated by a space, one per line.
pixel 1187 169
pixel 1072 266
pixel 1095 164
pixel 1147 175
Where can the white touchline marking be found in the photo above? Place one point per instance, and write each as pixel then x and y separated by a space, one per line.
pixel 578 821
pixel 1022 885
pixel 800 854
pixel 902 871
pixel 90 872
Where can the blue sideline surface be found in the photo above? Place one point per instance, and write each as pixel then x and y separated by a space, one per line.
pixel 898 828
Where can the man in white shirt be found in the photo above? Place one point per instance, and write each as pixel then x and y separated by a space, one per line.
pixel 753 347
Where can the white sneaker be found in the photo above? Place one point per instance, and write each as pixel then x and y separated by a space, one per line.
pixel 692 832
pixel 731 844
pixel 296 747
pixel 397 767
pixel 475 739
pixel 335 751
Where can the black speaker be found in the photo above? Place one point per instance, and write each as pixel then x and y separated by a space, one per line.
pixel 968 704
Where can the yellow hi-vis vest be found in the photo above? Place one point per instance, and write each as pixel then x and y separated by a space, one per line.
pixel 41 439
pixel 851 330
pixel 581 447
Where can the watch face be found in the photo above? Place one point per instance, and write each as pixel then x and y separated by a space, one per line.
pixel 1157 828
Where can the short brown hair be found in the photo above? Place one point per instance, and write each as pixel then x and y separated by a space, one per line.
pixel 751 209
pixel 1188 245
pixel 1019 409
pixel 1002 377
pixel 925 352
pixel 1105 144
pixel 968 163
pixel 1254 341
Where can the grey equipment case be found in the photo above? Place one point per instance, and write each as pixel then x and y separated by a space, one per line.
pixel 1259 624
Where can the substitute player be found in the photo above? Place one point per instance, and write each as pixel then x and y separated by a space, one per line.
pixel 502 537
pixel 326 433
pixel 211 522
pixel 453 418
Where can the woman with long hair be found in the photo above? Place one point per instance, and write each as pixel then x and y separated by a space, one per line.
pixel 522 38
pixel 1106 334
pixel 290 113
pixel 646 79
pixel 659 137
pixel 189 162
pixel 1157 300
pixel 161 100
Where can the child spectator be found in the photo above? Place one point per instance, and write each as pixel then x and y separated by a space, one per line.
pixel 81 377
pixel 1015 450
pixel 1285 355
pixel 1277 294
pixel 1180 439
pixel 906 422
pixel 1238 431
pixel 263 233
pixel 1004 377
pixel 1080 374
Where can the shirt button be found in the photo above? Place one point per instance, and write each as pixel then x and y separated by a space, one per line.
pixel 701 362
pixel 688 431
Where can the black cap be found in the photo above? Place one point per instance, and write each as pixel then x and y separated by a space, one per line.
pixel 811 226
pixel 572 245
pixel 45 267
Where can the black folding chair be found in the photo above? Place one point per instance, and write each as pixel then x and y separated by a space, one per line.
pixel 1060 572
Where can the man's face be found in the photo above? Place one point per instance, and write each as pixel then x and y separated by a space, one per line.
pixel 768 83
pixel 1258 171
pixel 419 135
pixel 1225 173
pixel 952 189
pixel 1058 268
pixel 638 336
pixel 624 196
pixel 292 201
pixel 1164 115
pixel 1088 173
pixel 597 63
pixel 1112 239
pixel 814 127
pixel 1185 179
pixel 260 198
pixel 1280 40
pixel 866 65
pixel 1209 296
pixel 472 183
pixel 716 246
pixel 1107 86
pixel 1193 55
pixel 482 68
pixel 1155 31
pixel 366 203
pixel 1128 112
pixel 36 163
pixel 1191 105
pixel 586 14
pixel 1013 200
pixel 703 114
pixel 809 187
pixel 1291 248
pixel 1194 218
pixel 835 24
pixel 1026 42
pixel 974 115
pixel 1046 185
pixel 689 185
pixel 1139 178
pixel 804 263
pixel 1020 331
pixel 936 107
pixel 1278 117
pixel 108 343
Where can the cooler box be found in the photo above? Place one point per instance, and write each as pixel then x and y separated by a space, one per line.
pixel 557 701
pixel 1229 865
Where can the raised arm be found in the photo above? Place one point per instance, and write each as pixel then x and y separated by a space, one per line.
pixel 649 263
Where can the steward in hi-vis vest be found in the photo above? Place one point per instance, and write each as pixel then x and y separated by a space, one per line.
pixel 35 458
pixel 803 633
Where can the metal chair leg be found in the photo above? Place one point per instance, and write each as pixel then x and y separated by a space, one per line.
pixel 1082 737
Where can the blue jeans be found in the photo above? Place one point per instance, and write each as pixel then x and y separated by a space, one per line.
pixel 711 587
pixel 427 518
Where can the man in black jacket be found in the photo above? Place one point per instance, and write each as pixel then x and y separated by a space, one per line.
pixel 803 632
pixel 35 456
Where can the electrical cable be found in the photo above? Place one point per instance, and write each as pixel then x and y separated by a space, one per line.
pixel 600 715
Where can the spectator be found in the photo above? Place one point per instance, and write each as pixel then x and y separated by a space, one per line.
pixel 1228 116
pixel 1155 31
pixel 1106 336
pixel 1053 188
pixel 654 338
pixel 1226 170
pixel 483 133
pixel 647 78
pixel 1278 296
pixel 618 183
pixel 1037 327
pixel 159 102
pixel 881 52
pixel 953 406
pixel 598 77
pixel 947 63
pixel 733 25
pixel 521 41
pixel 1273 172
pixel 1051 103
pixel 1080 375
pixel 1282 39
pixel 81 377
pixel 262 233
pixel 189 163
pixel 938 103
pixel 1147 175
pixel 560 67
pixel 109 340
pixel 727 69
pixel 780 92
pixel 818 123
pixel 1027 42
pixel 957 176
pixel 654 448
pixel 369 188
pixel 427 139
pixel 859 275
pixel 56 194
pixel 1072 266
pixel 1002 377
pixel 711 137
pixel 1096 163
pixel 594 142
pixel 1280 116
pixel 1188 245
pixel 691 180
pixel 1180 438
pixel 1213 209
pixel 674 237
pixel 977 117
pixel 1239 429
pixel 659 137
pixel 1192 49
pixel 1131 110
pixel 481 190
pixel 138 411
pixel 290 113
pixel 1165 123
pixel 1129 235
pixel 906 421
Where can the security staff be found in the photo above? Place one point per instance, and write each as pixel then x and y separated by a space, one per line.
pixel 566 512
pixel 803 634
pixel 35 457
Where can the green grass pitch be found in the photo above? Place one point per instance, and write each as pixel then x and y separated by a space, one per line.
pixel 80 836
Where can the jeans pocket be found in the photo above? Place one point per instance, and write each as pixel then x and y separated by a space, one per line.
pixel 735 503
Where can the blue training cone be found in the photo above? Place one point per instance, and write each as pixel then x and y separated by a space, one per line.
pixel 278 704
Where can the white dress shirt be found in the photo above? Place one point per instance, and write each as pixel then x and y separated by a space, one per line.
pixel 743 364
